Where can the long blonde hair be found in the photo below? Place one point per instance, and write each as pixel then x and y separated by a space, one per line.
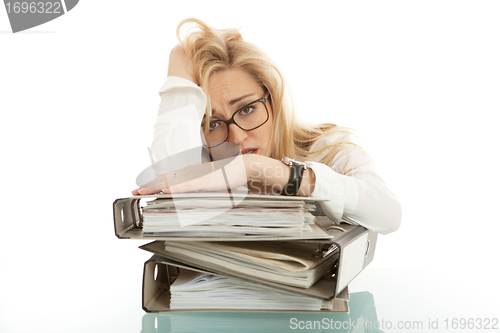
pixel 213 50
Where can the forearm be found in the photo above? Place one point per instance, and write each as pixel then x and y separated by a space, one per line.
pixel 180 65
pixel 180 113
pixel 274 174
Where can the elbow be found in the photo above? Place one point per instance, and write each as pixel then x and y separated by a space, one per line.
pixel 382 215
pixel 389 220
pixel 393 219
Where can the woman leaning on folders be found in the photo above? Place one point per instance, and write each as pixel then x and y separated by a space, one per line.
pixel 231 89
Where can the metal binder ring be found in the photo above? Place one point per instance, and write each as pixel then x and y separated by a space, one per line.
pixel 161 192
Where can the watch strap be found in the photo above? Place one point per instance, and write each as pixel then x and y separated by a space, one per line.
pixel 295 179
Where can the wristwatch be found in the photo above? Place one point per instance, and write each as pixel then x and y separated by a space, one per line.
pixel 296 171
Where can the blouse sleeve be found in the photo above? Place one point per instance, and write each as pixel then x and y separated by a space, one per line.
pixel 181 111
pixel 357 193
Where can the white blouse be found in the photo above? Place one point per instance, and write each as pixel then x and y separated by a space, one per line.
pixel 357 197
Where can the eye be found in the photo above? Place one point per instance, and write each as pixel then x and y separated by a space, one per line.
pixel 246 110
pixel 213 125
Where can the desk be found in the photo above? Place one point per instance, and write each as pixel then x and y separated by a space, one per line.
pixel 382 300
pixel 98 289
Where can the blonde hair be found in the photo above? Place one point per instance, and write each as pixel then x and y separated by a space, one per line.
pixel 213 50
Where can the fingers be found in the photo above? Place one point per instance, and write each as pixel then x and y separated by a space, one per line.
pixel 145 191
pixel 201 177
pixel 153 186
pixel 148 191
pixel 188 186
pixel 231 34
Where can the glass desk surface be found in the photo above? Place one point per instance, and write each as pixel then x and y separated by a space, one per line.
pixel 381 300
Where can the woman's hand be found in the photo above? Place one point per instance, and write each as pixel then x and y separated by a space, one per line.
pixel 153 187
pixel 181 65
pixel 214 176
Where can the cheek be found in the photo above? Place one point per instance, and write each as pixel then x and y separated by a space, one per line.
pixel 263 133
pixel 269 126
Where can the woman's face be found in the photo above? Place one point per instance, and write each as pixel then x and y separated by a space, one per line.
pixel 229 91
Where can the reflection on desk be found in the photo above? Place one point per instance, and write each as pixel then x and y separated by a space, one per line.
pixel 361 318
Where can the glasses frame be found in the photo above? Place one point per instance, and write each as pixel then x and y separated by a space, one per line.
pixel 230 121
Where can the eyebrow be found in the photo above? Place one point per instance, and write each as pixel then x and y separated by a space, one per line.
pixel 236 100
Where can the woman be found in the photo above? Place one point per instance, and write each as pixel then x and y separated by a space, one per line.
pixel 238 95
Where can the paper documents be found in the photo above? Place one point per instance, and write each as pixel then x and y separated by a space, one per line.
pixel 217 216
pixel 194 290
pixel 295 264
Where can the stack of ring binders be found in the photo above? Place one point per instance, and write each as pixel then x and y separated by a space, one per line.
pixel 343 251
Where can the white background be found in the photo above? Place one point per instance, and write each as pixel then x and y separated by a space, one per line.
pixel 418 80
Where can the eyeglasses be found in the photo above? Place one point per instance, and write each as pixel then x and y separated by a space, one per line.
pixel 248 118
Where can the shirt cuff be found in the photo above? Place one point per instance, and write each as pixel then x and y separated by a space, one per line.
pixel 178 82
pixel 336 188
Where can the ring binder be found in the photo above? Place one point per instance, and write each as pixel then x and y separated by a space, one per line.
pixel 156 293
pixel 354 247
pixel 128 219
pixel 346 268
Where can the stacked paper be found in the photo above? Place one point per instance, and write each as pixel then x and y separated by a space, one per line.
pixel 197 290
pixel 218 216
pixel 290 263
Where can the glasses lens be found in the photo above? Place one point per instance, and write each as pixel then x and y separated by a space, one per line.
pixel 251 116
pixel 217 132
pixel 248 118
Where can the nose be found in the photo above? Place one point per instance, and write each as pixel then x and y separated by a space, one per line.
pixel 236 134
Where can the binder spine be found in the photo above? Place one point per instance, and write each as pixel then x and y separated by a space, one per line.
pixel 127 215
pixel 156 280
pixel 357 249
